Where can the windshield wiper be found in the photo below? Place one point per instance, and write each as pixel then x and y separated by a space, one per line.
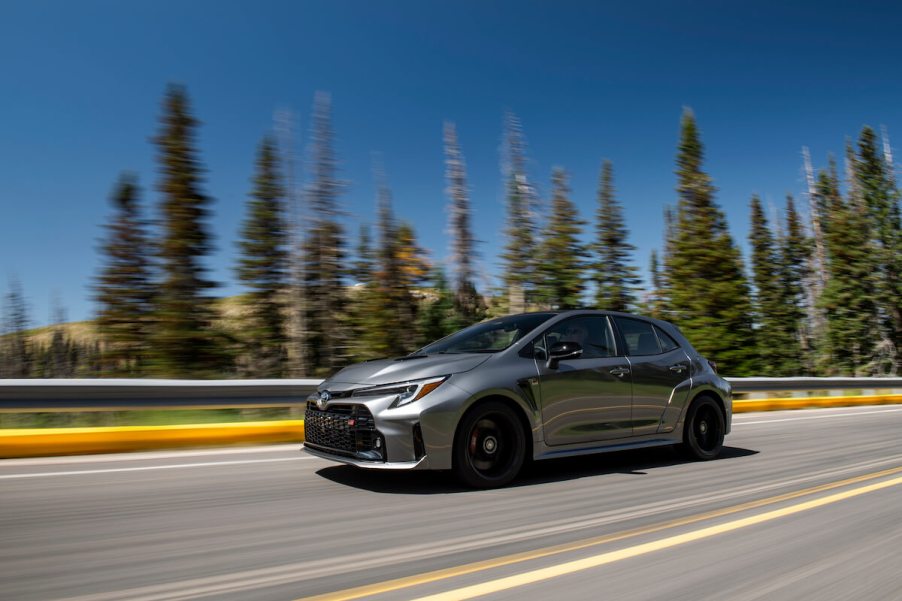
pixel 407 357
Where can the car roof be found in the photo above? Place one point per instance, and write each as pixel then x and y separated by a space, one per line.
pixel 589 311
pixel 668 327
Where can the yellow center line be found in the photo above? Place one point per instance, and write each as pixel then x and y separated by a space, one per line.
pixel 480 566
pixel 517 580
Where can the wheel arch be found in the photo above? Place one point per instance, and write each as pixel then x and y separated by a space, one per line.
pixel 709 392
pixel 518 406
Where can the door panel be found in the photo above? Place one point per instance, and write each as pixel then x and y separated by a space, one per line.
pixel 659 367
pixel 654 383
pixel 582 400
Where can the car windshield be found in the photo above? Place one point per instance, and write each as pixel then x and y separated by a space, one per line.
pixel 489 336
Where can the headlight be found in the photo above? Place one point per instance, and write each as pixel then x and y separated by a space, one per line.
pixel 407 392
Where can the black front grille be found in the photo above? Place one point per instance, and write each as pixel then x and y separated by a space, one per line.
pixel 344 429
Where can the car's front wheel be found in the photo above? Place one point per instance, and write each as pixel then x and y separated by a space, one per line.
pixel 490 446
pixel 704 429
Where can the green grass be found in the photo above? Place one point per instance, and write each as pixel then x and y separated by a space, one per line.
pixel 149 417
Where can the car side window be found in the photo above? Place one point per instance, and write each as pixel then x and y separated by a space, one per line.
pixel 592 332
pixel 639 336
pixel 667 342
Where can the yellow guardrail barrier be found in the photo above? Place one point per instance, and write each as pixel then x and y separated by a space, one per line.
pixel 811 402
pixel 37 442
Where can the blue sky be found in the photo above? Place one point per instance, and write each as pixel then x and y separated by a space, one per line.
pixel 82 84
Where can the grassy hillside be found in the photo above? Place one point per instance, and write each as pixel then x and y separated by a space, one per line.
pixel 229 309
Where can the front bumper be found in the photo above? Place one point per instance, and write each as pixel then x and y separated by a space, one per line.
pixel 421 464
pixel 418 435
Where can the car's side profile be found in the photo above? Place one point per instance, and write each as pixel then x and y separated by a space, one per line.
pixel 486 399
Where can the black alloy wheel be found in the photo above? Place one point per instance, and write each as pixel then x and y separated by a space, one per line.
pixel 490 446
pixel 704 429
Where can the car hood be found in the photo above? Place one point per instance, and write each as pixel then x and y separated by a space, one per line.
pixel 387 371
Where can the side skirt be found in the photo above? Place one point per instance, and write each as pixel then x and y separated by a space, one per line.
pixel 543 451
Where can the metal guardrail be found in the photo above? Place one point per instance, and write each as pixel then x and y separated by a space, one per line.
pixel 129 394
pixel 741 385
pixel 125 394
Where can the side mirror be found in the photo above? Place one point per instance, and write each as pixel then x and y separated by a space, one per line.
pixel 563 350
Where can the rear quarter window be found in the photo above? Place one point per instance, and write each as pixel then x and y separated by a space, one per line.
pixel 639 336
pixel 667 342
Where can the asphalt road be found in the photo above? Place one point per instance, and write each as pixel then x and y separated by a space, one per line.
pixel 802 505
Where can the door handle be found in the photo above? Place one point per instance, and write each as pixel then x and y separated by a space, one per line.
pixel 678 368
pixel 620 371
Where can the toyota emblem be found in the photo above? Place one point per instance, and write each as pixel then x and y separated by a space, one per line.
pixel 324 397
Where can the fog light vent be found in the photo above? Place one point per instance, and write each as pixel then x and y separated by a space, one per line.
pixel 419 448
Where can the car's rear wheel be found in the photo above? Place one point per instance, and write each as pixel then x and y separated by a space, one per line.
pixel 704 429
pixel 490 446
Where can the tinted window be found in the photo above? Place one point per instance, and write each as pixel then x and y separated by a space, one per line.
pixel 667 343
pixel 488 336
pixel 639 336
pixel 592 332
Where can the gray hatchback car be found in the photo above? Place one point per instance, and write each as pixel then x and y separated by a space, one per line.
pixel 486 399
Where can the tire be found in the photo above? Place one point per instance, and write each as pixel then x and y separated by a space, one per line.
pixel 489 447
pixel 703 431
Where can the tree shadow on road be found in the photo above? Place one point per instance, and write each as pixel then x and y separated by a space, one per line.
pixel 636 463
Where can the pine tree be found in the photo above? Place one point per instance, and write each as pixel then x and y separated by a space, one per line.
pixel 562 255
pixel 662 286
pixel 468 302
pixel 816 338
pixel 438 317
pixel 296 321
pixel 654 298
pixel 708 295
pixel 393 291
pixel 388 304
pixel 365 307
pixel 325 250
pixel 363 266
pixel 874 182
pixel 615 278
pixel 124 288
pixel 414 269
pixel 519 252
pixel 183 341
pixel 655 270
pixel 849 298
pixel 263 267
pixel 17 353
pixel 772 332
pixel 794 252
pixel 412 259
pixel 57 364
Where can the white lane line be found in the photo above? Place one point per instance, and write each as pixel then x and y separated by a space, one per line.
pixel 151 467
pixel 146 455
pixel 807 417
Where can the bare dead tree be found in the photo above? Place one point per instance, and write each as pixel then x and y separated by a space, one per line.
pixel 521 231
pixel 324 247
pixel 819 256
pixel 469 303
pixel 297 331
pixel 817 273
pixel 888 156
